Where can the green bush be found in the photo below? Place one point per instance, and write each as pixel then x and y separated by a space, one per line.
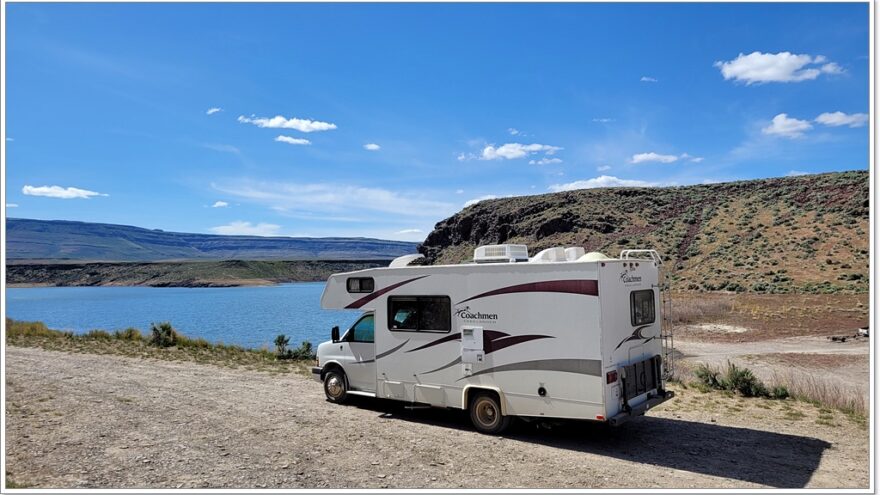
pixel 304 351
pixel 745 382
pixel 738 380
pixel 163 335
pixel 132 334
pixel 281 343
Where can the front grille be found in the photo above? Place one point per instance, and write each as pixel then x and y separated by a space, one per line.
pixel 641 377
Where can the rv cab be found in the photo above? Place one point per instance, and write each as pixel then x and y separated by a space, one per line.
pixel 355 353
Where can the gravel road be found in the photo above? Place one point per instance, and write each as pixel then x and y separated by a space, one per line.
pixel 98 421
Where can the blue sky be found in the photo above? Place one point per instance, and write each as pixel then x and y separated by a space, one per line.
pixel 380 120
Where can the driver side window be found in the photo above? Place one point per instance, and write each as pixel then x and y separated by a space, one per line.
pixel 363 330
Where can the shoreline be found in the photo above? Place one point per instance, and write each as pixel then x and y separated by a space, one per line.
pixel 225 273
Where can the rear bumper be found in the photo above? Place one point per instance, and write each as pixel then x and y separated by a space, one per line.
pixel 640 410
pixel 316 373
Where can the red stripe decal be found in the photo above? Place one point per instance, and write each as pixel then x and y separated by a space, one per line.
pixel 364 300
pixel 585 287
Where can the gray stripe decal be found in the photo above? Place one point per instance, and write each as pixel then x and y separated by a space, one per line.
pixel 453 363
pixel 380 356
pixel 591 367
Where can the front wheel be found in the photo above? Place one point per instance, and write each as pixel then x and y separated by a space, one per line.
pixel 486 414
pixel 335 386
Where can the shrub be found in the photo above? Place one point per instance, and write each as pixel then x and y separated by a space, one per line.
pixel 304 351
pixel 735 379
pixel 281 343
pixel 163 335
pixel 745 382
pixel 132 334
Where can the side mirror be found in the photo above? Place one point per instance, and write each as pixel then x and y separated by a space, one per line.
pixel 334 334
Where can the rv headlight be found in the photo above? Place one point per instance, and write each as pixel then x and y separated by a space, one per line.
pixel 317 362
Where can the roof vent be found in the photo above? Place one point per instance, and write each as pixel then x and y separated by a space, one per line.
pixel 501 253
pixel 549 255
pixel 574 253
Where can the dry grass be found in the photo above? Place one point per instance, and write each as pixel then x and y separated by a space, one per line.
pixel 809 388
pixel 801 386
pixel 690 310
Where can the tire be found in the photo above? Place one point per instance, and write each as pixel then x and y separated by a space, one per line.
pixel 485 411
pixel 336 386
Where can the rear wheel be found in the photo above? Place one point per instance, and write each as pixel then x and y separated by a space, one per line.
pixel 335 386
pixel 486 416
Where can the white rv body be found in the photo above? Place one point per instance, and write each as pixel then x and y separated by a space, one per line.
pixel 551 339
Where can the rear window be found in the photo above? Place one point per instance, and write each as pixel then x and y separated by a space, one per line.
pixel 420 313
pixel 641 304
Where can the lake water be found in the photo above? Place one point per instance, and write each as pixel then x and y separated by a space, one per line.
pixel 247 316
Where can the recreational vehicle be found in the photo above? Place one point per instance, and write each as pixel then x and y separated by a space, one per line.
pixel 563 334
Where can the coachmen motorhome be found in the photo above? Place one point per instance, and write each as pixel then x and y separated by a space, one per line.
pixel 562 334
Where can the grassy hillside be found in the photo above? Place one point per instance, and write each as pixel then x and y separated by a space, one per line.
pixel 82 241
pixel 180 274
pixel 793 234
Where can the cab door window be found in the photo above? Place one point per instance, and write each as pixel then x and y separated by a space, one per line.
pixel 363 330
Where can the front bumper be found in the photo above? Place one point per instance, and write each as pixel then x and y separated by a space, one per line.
pixel 640 410
pixel 316 373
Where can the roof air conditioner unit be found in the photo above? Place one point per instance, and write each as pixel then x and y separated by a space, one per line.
pixel 501 253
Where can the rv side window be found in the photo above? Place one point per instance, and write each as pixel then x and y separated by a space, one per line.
pixel 360 284
pixel 641 304
pixel 420 313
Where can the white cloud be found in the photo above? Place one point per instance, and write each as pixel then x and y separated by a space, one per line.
pixel 837 119
pixel 795 173
pixel 601 181
pixel 11 205
pixel 409 231
pixel 246 228
pixel 10 139
pixel 512 151
pixel 292 140
pixel 603 168
pixel 603 120
pixel 512 131
pixel 213 110
pixel 477 200
pixel 220 204
pixel 372 147
pixel 758 67
pixel 333 199
pixel 832 68
pixel 787 127
pixel 280 122
pixel 59 192
pixel 652 157
pixel 225 148
pixel 648 79
pixel 545 161
pixel 695 159
pixel 459 191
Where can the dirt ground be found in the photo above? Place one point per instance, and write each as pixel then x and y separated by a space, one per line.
pixel 98 421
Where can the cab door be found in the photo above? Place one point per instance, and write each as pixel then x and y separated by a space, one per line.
pixel 361 362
